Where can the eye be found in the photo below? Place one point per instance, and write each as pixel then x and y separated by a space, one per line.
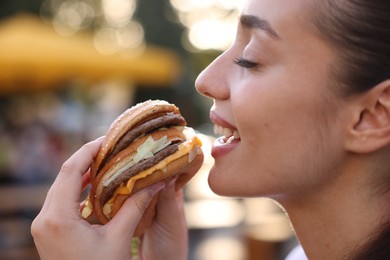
pixel 245 63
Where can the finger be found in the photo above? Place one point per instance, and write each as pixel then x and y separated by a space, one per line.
pixel 170 202
pixel 168 195
pixel 49 197
pixel 82 205
pixel 66 188
pixel 46 203
pixel 86 180
pixel 128 217
pixel 171 217
pixel 180 201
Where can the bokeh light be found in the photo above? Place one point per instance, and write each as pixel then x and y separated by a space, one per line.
pixel 118 12
pixel 110 40
pixel 50 125
pixel 209 24
pixel 111 22
pixel 72 16
pixel 221 247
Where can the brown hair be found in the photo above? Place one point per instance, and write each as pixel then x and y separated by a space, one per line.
pixel 377 248
pixel 359 31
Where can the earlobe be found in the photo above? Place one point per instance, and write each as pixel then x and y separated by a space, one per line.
pixel 371 129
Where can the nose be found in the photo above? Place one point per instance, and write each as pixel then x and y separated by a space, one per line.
pixel 212 81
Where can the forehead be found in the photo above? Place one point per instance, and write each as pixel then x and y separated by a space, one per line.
pixel 283 15
pixel 291 20
pixel 298 46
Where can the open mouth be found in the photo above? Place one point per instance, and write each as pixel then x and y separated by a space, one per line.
pixel 227 135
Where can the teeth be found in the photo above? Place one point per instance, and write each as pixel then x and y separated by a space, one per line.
pixel 226 132
pixel 218 129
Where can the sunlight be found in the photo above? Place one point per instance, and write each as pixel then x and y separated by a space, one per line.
pixel 118 12
pixel 212 34
pixel 210 24
pixel 72 16
pixel 221 247
pixel 217 213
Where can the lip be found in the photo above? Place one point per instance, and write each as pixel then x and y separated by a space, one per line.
pixel 216 119
pixel 220 148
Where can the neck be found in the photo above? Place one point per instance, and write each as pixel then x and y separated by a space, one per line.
pixel 334 220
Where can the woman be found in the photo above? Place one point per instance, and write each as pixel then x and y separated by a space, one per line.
pixel 303 99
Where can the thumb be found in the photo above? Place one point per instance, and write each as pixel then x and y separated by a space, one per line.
pixel 129 215
pixel 171 203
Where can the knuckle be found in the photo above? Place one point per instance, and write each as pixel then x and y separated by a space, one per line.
pixel 142 203
pixel 67 166
pixel 46 226
pixel 35 228
pixel 70 163
pixel 88 147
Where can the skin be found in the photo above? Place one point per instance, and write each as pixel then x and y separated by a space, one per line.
pixel 287 95
pixel 60 218
pixel 322 157
pixel 300 144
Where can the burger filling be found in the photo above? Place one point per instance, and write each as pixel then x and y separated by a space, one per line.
pixel 123 183
pixel 191 146
pixel 151 124
pixel 148 154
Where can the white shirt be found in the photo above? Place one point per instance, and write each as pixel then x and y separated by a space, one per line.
pixel 296 254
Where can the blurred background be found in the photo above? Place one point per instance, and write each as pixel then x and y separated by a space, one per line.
pixel 69 67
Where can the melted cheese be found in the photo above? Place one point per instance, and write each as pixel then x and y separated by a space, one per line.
pixel 87 210
pixel 146 150
pixel 125 189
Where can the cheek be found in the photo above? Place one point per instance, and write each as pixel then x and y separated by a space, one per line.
pixel 286 145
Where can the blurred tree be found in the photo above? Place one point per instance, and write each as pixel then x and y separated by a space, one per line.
pixel 161 27
pixel 159 22
pixel 8 8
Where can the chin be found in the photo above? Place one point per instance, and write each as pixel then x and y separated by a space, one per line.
pixel 223 186
pixel 216 182
pixel 230 182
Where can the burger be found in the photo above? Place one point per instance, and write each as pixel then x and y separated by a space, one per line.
pixel 148 143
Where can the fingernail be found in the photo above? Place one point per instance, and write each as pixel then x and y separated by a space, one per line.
pixel 100 138
pixel 155 188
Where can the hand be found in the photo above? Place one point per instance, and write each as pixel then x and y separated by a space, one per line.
pixel 60 232
pixel 167 238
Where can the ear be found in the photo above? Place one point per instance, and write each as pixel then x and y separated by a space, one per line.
pixel 370 130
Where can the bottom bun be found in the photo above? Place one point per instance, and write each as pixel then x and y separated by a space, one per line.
pixel 179 167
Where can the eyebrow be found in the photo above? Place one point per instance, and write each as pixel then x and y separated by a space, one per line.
pixel 251 21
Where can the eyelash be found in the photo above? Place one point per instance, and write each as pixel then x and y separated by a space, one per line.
pixel 245 63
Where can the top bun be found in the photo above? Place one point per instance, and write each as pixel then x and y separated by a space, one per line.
pixel 180 158
pixel 127 120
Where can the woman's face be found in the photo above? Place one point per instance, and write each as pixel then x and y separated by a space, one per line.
pixel 272 89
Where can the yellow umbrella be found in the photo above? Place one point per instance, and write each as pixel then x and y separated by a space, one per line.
pixel 33 55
